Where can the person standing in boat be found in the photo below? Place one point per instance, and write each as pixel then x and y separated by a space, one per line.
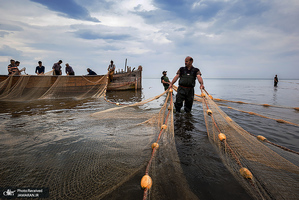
pixel 185 92
pixel 40 69
pixel 12 68
pixel 164 80
pixel 275 81
pixel 111 69
pixel 57 68
pixel 69 70
pixel 90 72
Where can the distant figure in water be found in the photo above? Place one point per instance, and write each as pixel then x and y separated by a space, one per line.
pixel 275 81
pixel 90 72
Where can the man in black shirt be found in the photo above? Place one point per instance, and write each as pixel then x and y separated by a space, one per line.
pixel 185 92
pixel 275 80
pixel 40 69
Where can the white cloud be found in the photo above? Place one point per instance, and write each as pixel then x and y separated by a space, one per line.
pixel 262 37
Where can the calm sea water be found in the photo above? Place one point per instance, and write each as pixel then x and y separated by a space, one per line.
pixel 26 128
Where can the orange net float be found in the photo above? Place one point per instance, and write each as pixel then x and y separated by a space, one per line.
pixel 170 90
pixel 228 119
pixel 261 138
pixel 117 104
pixel 296 108
pixel 281 121
pixel 246 173
pixel 210 96
pixel 203 94
pixel 155 145
pixel 221 137
pixel 164 126
pixel 146 182
pixel 266 105
pixel 209 112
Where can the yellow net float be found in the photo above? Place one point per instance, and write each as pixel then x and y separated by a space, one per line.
pixel 146 182
pixel 209 112
pixel 203 94
pixel 246 173
pixel 164 126
pixel 221 136
pixel 281 121
pixel 228 119
pixel 155 145
pixel 261 138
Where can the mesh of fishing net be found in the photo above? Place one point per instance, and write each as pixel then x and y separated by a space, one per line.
pixel 118 149
pixel 269 175
pixel 24 88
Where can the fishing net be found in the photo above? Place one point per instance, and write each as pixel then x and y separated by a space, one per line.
pixel 23 88
pixel 120 145
pixel 264 170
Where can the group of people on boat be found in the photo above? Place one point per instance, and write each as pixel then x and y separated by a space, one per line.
pixel 13 69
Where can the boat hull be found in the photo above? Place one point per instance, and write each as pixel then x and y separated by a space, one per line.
pixel 121 81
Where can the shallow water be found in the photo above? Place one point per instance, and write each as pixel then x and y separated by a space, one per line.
pixel 51 134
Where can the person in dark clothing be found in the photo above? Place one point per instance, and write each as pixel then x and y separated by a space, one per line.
pixel 275 80
pixel 185 92
pixel 111 69
pixel 40 69
pixel 165 80
pixel 12 68
pixel 57 68
pixel 90 72
pixel 69 70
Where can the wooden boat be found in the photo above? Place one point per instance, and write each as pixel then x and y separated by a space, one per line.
pixel 130 80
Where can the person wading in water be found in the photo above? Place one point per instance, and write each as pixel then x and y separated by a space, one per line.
pixel 185 92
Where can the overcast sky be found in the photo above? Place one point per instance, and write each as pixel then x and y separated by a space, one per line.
pixel 226 38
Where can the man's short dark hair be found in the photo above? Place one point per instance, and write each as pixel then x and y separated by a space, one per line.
pixel 60 61
pixel 17 62
pixel 39 61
